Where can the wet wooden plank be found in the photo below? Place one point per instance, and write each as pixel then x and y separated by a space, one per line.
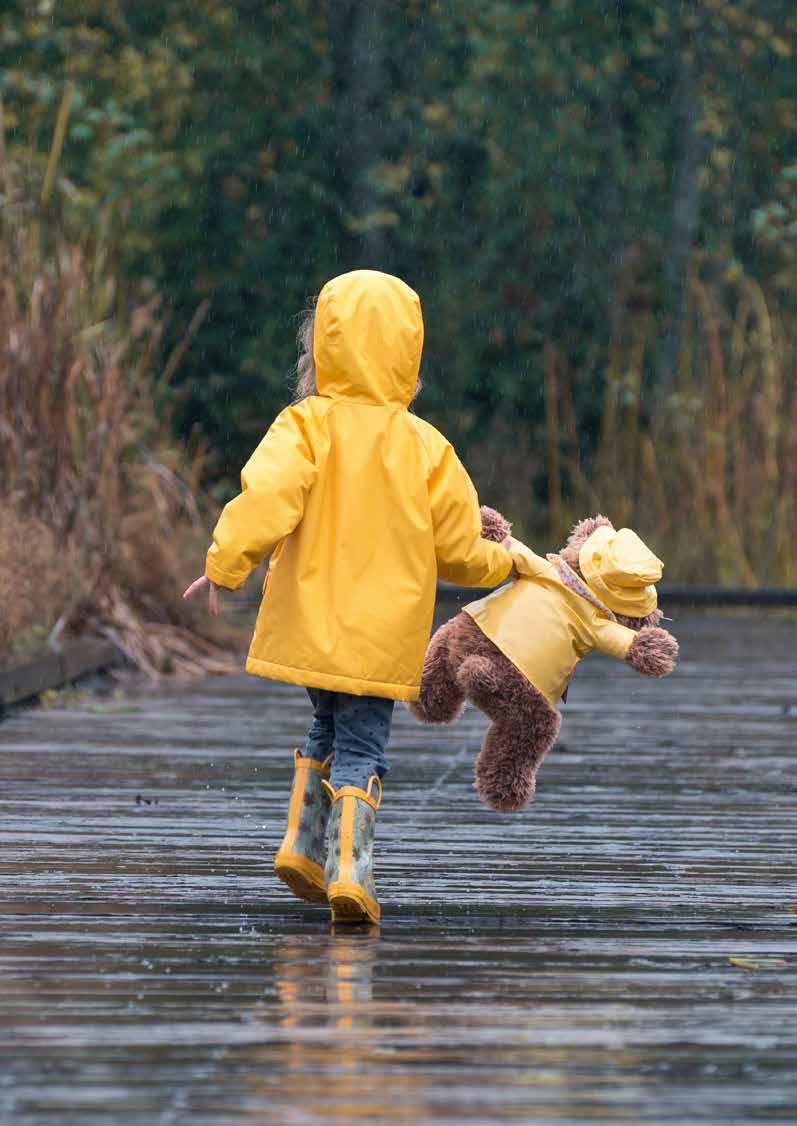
pixel 569 963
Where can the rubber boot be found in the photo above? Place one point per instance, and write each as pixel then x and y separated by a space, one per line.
pixel 299 862
pixel 349 868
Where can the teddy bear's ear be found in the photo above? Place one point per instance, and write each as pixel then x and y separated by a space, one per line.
pixel 494 526
pixel 579 535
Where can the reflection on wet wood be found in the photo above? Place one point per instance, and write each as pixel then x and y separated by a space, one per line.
pixel 570 963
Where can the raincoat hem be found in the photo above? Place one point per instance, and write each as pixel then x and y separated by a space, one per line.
pixel 332 682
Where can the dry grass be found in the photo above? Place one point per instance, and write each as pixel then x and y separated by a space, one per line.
pixel 101 527
pixel 707 471
pixel 28 550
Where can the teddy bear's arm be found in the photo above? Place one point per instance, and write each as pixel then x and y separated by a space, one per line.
pixel 611 638
pixel 528 565
pixel 650 651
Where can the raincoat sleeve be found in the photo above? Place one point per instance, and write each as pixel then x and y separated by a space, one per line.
pixel 612 639
pixel 462 555
pixel 274 486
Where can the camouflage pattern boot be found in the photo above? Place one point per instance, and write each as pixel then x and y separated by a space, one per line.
pixel 299 862
pixel 349 869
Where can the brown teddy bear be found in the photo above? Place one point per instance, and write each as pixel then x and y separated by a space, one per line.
pixel 513 652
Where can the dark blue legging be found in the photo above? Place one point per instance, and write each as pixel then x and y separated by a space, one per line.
pixel 353 728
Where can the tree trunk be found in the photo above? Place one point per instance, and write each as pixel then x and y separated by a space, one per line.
pixel 357 31
pixel 685 215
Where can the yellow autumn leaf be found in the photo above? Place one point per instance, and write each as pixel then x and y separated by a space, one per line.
pixel 759 964
pixel 780 46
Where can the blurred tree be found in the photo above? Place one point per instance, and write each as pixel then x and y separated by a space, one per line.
pixel 541 172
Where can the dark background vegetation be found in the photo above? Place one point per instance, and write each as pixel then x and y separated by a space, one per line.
pixel 596 201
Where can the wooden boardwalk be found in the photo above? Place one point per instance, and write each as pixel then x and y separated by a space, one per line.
pixel 568 964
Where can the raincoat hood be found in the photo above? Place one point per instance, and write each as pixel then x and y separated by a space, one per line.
pixel 621 570
pixel 368 339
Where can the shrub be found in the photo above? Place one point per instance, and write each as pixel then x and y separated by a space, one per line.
pixel 101 526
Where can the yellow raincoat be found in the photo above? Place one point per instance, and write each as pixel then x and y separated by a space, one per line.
pixel 362 503
pixel 547 620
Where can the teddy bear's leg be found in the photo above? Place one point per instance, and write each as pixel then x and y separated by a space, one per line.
pixel 441 699
pixel 524 729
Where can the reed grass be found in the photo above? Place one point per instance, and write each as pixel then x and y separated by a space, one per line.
pixel 101 525
pixel 705 470
pixel 708 470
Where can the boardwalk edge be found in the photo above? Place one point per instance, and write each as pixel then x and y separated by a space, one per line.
pixel 55 668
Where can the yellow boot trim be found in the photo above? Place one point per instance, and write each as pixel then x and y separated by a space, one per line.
pixel 350 902
pixel 300 760
pixel 303 876
pixel 301 765
pixel 355 791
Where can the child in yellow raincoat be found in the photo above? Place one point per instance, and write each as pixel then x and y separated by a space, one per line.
pixel 362 507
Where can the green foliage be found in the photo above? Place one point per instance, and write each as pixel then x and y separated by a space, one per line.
pixel 196 130
pixel 538 171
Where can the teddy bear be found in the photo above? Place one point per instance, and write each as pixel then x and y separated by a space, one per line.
pixel 512 653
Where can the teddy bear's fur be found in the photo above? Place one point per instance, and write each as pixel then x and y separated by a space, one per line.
pixel 463 663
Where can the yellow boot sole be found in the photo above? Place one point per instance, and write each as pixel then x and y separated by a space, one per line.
pixel 304 878
pixel 351 903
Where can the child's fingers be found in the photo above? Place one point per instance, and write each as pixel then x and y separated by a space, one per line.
pixel 213 600
pixel 196 585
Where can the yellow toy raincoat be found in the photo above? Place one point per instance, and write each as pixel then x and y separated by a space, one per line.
pixel 362 503
pixel 549 618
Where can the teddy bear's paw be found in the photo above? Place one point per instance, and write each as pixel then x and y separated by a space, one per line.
pixel 502 786
pixel 653 652
pixel 442 705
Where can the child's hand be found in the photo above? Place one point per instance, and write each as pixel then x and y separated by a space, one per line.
pixel 213 593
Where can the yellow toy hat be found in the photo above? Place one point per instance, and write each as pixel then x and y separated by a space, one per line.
pixel 620 570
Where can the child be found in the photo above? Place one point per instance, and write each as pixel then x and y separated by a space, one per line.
pixel 362 506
